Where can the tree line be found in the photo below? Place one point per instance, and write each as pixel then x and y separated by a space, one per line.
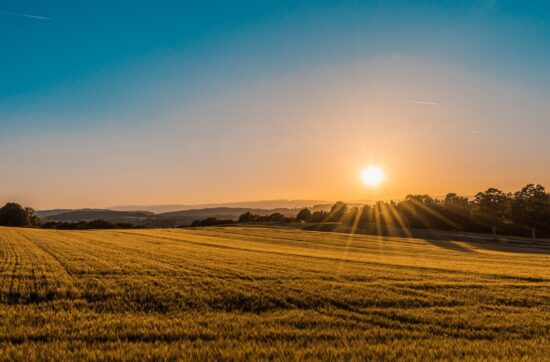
pixel 86 225
pixel 522 213
pixel 13 214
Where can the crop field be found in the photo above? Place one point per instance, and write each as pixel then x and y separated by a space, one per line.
pixel 248 293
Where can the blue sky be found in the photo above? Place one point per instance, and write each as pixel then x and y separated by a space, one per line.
pixel 102 59
pixel 68 68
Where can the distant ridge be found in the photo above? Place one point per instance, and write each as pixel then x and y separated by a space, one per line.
pixel 179 215
pixel 262 204
pixel 150 219
pixel 92 214
pixel 46 213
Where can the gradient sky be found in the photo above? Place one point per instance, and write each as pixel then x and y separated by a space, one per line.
pixel 105 103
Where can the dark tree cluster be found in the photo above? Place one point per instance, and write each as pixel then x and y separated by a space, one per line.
pixel 13 214
pixel 211 221
pixel 523 213
pixel 275 217
pixel 86 225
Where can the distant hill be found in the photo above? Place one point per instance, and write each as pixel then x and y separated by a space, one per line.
pixel 93 214
pixel 178 215
pixel 46 213
pixel 149 219
pixel 264 204
pixel 184 214
pixel 226 211
pixel 186 217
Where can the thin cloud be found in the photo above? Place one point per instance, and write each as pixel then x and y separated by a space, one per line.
pixel 24 15
pixel 423 102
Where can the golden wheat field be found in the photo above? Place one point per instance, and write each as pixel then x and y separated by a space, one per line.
pixel 248 293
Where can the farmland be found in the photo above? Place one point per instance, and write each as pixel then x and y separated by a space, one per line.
pixel 239 293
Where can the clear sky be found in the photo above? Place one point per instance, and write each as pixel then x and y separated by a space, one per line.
pixel 135 102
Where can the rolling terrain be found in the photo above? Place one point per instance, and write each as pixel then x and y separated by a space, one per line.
pixel 149 219
pixel 261 204
pixel 245 293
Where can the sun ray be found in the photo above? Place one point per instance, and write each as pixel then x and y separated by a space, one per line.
pixel 399 220
pixel 433 213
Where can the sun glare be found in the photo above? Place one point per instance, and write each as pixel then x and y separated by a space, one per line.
pixel 372 176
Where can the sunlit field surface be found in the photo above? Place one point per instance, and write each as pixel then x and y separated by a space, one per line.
pixel 241 293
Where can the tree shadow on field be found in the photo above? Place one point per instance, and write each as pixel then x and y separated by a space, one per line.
pixel 503 244
pixel 456 241
pixel 449 245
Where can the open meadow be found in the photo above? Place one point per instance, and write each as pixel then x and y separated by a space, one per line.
pixel 244 293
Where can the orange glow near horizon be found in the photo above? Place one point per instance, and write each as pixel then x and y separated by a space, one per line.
pixel 302 137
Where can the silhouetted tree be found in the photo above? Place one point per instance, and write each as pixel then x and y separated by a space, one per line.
pixel 319 216
pixel 453 201
pixel 337 211
pixel 276 217
pixel 531 207
pixel 492 207
pixel 350 217
pixel 248 217
pixel 13 214
pixel 364 215
pixel 458 209
pixel 380 215
pixel 423 211
pixel 211 221
pixel 304 215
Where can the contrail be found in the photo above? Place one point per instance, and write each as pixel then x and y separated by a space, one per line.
pixel 424 102
pixel 24 15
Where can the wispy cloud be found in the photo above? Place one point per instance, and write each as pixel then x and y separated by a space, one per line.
pixel 24 15
pixel 428 103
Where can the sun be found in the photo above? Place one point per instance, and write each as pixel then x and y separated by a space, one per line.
pixel 372 176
